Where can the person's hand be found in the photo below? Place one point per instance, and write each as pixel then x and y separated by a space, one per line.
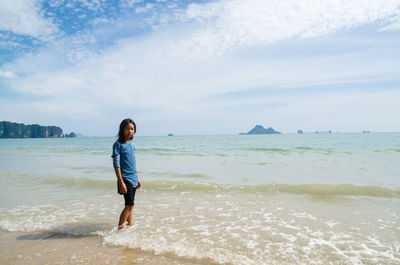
pixel 139 186
pixel 122 187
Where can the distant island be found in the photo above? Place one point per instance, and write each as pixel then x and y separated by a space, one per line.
pixel 323 132
pixel 259 129
pixel 71 135
pixel 20 130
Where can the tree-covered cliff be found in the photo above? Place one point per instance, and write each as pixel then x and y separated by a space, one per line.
pixel 20 130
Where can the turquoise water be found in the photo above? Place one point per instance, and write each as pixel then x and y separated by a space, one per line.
pixel 249 199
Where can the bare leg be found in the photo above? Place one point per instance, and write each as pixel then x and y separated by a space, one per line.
pixel 126 214
pixel 130 217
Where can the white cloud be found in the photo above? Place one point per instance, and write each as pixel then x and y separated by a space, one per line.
pixel 24 17
pixel 145 8
pixel 168 76
pixel 230 23
pixel 130 3
pixel 394 25
pixel 7 74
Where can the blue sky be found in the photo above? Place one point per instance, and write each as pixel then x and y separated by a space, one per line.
pixel 201 67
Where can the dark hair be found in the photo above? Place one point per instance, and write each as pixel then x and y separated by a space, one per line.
pixel 124 123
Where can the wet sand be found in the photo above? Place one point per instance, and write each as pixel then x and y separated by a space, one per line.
pixel 44 248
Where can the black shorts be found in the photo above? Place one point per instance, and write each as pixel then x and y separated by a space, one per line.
pixel 130 195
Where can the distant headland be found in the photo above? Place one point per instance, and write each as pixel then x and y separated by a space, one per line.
pixel 20 130
pixel 259 129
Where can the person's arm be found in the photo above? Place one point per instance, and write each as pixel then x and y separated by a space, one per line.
pixel 139 186
pixel 117 168
pixel 121 183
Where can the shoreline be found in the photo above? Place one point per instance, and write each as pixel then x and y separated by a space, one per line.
pixel 49 248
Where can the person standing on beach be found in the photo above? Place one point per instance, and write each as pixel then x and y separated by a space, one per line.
pixel 124 163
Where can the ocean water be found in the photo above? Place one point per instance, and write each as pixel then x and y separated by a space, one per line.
pixel 249 199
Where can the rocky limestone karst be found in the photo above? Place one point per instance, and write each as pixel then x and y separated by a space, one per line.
pixel 259 129
pixel 20 130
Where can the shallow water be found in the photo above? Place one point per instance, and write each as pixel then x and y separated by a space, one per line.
pixel 269 199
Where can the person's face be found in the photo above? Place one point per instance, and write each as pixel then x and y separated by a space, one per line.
pixel 129 130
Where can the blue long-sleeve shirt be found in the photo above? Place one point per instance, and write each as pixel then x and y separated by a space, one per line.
pixel 124 158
